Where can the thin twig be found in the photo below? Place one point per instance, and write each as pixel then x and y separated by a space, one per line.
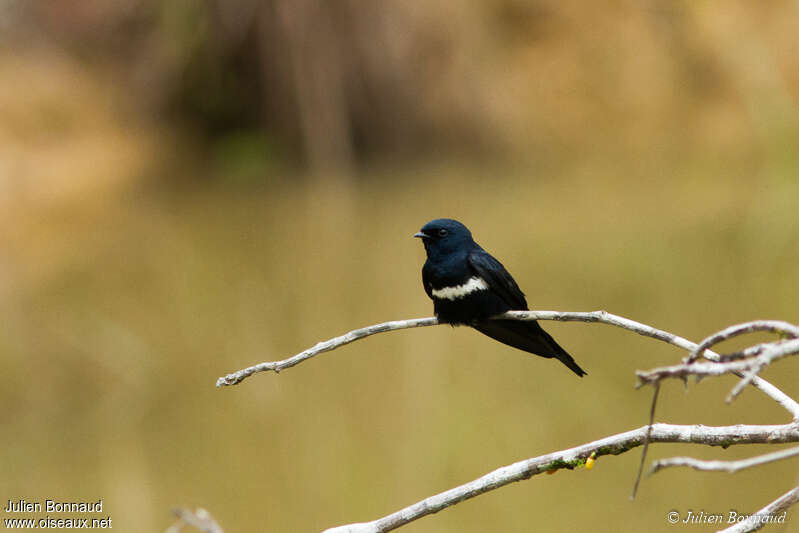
pixel 575 457
pixel 324 346
pixel 769 513
pixel 646 441
pixel 723 466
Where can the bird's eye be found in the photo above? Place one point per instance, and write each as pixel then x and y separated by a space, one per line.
pixel 442 232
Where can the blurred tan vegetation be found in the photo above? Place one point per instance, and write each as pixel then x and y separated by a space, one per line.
pixel 191 187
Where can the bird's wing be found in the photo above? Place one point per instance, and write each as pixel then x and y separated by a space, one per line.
pixel 497 278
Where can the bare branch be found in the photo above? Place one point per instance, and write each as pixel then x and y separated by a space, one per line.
pixel 788 403
pixel 575 457
pixel 724 466
pixel 767 355
pixel 325 346
pixel 776 326
pixel 767 514
pixel 593 317
pixel 331 344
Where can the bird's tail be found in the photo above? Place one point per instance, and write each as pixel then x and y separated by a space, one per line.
pixel 530 337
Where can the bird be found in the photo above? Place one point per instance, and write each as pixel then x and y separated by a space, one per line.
pixel 468 286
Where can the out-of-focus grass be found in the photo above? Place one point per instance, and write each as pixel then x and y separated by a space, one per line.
pixel 111 361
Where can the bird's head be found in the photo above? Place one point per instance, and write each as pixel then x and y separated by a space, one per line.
pixel 444 236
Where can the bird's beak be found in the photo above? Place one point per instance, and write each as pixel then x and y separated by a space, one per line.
pixel 421 235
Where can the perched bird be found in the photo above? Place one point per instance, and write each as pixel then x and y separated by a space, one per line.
pixel 468 286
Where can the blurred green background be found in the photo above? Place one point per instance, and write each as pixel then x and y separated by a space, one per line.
pixel 192 187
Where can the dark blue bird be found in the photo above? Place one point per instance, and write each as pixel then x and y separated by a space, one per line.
pixel 468 286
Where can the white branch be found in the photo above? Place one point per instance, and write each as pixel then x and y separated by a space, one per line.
pixel 575 457
pixel 324 346
pixel 747 369
pixel 331 344
pixel 766 514
pixel 356 334
pixel 594 316
pixel 714 368
pixel 724 466
pixel 775 326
